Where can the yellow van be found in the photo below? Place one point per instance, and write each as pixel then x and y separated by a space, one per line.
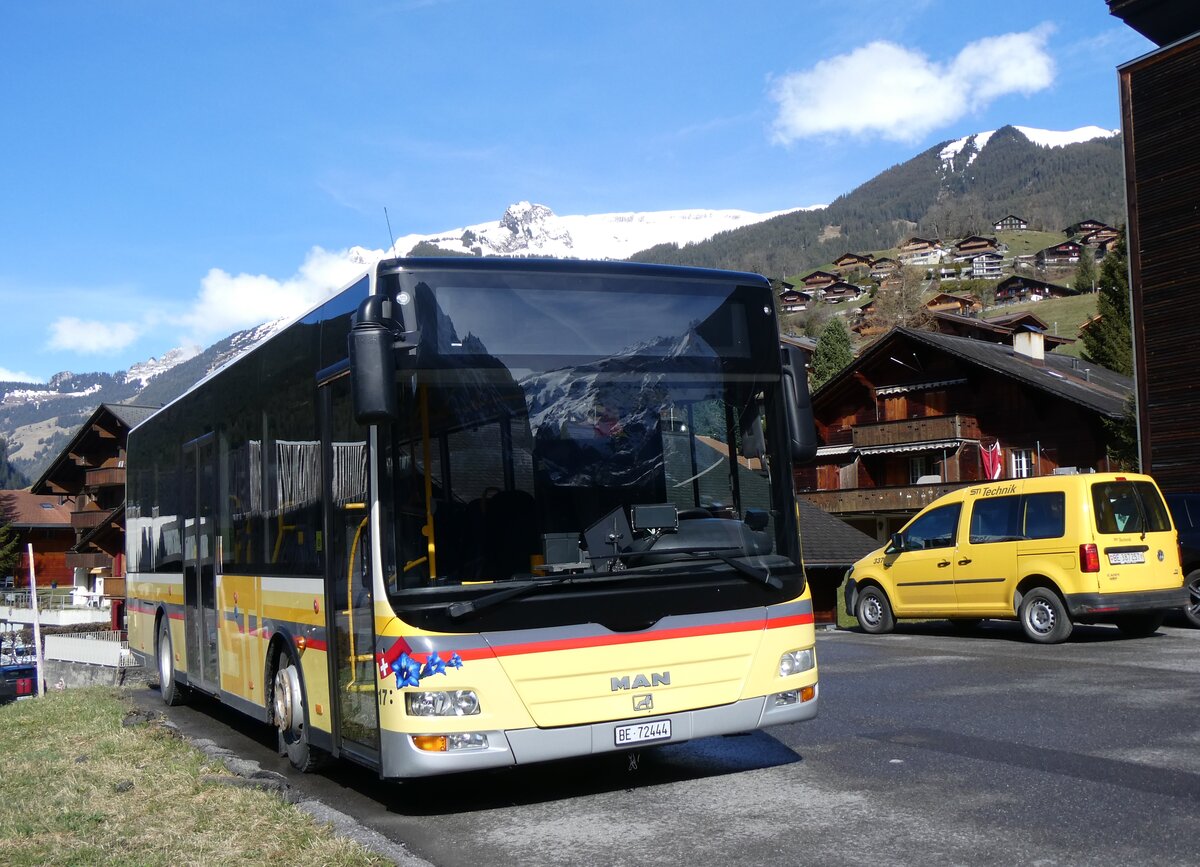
pixel 1048 551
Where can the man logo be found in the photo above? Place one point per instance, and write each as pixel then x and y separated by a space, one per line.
pixel 640 681
pixel 643 702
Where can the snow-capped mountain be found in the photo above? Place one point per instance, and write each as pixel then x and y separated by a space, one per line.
pixel 1044 137
pixel 529 229
pixel 144 371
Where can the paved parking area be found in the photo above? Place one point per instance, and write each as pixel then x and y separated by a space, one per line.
pixel 932 747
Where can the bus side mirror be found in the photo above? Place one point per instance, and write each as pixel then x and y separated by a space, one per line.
pixel 373 361
pixel 802 431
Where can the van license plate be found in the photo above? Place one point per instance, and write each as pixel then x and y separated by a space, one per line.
pixel 1124 558
pixel 656 730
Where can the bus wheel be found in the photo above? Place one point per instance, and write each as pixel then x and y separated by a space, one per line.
pixel 168 687
pixel 290 718
pixel 873 611
pixel 1044 617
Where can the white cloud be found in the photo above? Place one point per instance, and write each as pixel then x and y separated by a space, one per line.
pixel 7 375
pixel 90 336
pixel 891 91
pixel 229 302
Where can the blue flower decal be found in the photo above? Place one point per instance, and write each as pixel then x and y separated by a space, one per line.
pixel 455 661
pixel 407 670
pixel 434 665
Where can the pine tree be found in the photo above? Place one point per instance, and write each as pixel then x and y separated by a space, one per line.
pixel 10 552
pixel 833 352
pixel 1085 274
pixel 1108 341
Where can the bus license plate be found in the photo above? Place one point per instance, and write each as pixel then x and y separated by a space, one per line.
pixel 656 730
pixel 1124 558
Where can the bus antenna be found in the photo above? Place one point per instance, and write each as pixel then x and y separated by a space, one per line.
pixel 391 237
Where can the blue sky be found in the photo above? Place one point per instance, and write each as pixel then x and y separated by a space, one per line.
pixel 171 172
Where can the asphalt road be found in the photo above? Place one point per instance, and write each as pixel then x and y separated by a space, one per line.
pixel 931 747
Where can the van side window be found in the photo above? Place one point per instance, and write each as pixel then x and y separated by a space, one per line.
pixel 935 529
pixel 1045 515
pixel 996 519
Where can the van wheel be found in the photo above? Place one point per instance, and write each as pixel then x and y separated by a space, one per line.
pixel 1140 625
pixel 1044 617
pixel 873 611
pixel 1192 609
pixel 170 689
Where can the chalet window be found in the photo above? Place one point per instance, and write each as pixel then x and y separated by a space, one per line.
pixel 1022 463
pixel 918 466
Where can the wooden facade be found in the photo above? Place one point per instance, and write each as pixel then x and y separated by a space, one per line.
pixel 1160 118
pixel 1010 223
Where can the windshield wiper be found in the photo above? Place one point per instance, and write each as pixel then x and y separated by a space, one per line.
pixel 456 610
pixel 755 573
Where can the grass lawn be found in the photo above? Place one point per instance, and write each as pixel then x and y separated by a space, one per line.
pixel 77 787
pixel 1062 316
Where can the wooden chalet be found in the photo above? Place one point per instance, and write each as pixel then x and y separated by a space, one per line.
pixel 1084 227
pixel 1100 238
pixel 850 261
pixel 1066 253
pixel 90 472
pixel 794 300
pixel 865 322
pixel 892 282
pixel 818 280
pixel 921 251
pixel 836 293
pixel 45 523
pixel 883 267
pixel 972 246
pixel 1010 223
pixel 1020 288
pixel 906 421
pixel 1160 100
pixel 946 302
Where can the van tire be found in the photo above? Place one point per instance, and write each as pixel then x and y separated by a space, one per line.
pixel 1191 609
pixel 873 611
pixel 1139 625
pixel 1044 617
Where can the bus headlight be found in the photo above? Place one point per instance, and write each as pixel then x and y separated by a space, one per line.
pixel 460 702
pixel 796 661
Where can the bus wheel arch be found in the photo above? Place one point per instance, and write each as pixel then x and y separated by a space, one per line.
pixel 173 693
pixel 1042 611
pixel 288 706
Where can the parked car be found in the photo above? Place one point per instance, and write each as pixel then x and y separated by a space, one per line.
pixel 16 681
pixel 1185 509
pixel 1048 551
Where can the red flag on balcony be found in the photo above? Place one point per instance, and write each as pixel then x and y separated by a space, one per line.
pixel 993 462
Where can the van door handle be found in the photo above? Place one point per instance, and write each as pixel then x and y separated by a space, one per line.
pixel 964 561
pixel 942 563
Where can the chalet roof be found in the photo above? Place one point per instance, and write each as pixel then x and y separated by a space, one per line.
pixel 819 273
pixel 1090 386
pixel 1010 217
pixel 1002 326
pixel 63 472
pixel 828 540
pixel 1034 283
pixel 30 510
pixel 976 238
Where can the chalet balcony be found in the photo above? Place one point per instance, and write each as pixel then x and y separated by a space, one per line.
pixel 908 498
pixel 90 518
pixel 105 477
pixel 916 430
pixel 89 560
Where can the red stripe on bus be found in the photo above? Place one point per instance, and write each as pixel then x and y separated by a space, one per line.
pixel 611 640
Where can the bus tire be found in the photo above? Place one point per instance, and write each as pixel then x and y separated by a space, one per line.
pixel 873 611
pixel 1044 617
pixel 291 717
pixel 1140 625
pixel 172 692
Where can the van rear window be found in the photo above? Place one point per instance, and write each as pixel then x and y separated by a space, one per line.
pixel 1129 507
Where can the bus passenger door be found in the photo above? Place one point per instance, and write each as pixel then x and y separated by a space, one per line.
pixel 199 561
pixel 349 602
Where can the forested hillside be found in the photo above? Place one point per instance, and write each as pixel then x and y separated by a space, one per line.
pixel 930 197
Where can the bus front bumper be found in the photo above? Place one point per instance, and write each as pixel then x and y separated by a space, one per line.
pixel 1090 606
pixel 402 758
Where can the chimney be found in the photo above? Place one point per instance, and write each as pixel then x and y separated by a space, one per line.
pixel 1030 344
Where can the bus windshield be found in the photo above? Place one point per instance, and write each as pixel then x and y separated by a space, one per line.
pixel 555 425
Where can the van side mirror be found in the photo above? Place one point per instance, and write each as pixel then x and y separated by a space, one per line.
pixel 373 361
pixel 896 545
pixel 802 431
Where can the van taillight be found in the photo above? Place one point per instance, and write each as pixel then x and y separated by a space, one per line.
pixel 1089 558
pixel 24 686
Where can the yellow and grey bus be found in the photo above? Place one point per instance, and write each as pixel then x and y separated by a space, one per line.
pixel 471 513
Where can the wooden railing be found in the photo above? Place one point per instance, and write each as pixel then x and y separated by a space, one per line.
pixel 915 430
pixel 89 518
pixel 104 477
pixel 909 498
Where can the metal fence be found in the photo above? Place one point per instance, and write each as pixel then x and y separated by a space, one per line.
pixel 92 648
